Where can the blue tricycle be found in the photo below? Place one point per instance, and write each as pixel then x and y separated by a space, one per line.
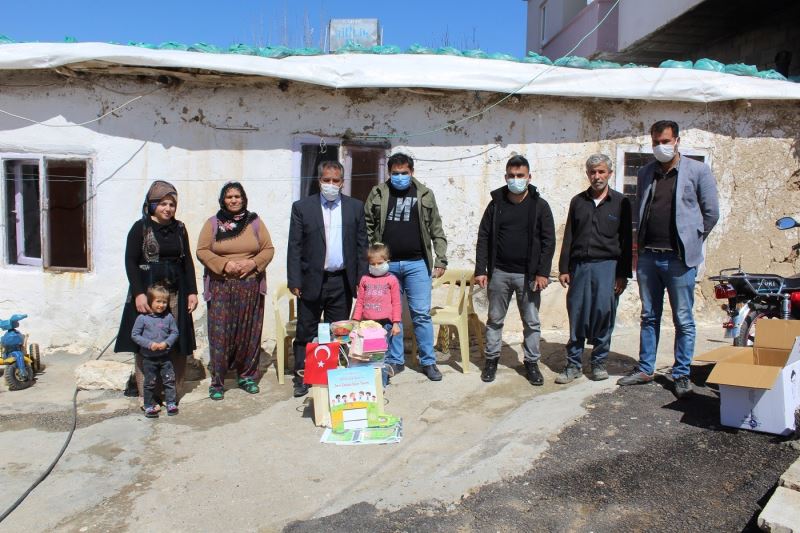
pixel 19 367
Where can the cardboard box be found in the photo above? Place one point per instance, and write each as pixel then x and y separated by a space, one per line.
pixel 759 386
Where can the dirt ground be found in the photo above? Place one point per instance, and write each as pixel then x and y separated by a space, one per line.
pixel 470 454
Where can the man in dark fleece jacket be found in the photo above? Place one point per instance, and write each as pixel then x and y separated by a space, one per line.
pixel 516 243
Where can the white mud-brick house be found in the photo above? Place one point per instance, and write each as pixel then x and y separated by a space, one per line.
pixel 74 183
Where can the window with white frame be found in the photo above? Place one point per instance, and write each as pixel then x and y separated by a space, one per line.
pixel 364 164
pixel 46 211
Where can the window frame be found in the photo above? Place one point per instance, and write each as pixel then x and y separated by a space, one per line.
pixel 344 156
pixel 44 205
pixel 297 157
pixel 347 161
pixel 19 228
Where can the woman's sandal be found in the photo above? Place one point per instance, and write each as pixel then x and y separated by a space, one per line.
pixel 248 385
pixel 215 394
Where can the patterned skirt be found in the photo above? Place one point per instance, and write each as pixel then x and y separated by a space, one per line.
pixel 235 319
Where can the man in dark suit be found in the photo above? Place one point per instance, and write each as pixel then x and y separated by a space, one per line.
pixel 325 259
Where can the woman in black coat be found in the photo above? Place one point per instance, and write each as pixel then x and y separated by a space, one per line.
pixel 158 252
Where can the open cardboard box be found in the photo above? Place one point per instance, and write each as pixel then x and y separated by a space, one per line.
pixel 759 386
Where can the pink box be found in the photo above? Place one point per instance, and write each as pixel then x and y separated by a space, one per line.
pixel 368 340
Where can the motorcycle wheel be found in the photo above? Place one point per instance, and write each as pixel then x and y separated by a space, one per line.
pixel 747 331
pixel 15 381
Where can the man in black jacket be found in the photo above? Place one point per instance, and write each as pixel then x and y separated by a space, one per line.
pixel 516 243
pixel 595 263
pixel 326 257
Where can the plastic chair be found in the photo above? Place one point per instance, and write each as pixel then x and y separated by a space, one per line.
pixel 285 328
pixel 458 310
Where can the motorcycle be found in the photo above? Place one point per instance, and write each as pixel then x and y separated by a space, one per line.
pixel 19 366
pixel 752 297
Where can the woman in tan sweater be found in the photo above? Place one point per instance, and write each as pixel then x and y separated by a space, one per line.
pixel 235 247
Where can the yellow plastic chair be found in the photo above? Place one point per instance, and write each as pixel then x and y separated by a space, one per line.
pixel 458 310
pixel 285 328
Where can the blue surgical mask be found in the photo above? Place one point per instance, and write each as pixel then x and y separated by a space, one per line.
pixel 401 182
pixel 517 185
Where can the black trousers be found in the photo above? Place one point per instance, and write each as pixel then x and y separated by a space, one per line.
pixel 335 303
pixel 152 367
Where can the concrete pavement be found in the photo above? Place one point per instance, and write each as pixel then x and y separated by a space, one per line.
pixel 255 462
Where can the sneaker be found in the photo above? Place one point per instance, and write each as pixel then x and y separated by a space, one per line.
pixel 300 389
pixel 432 372
pixel 599 372
pixel 635 378
pixel 172 409
pixel 533 374
pixel 151 411
pixel 489 370
pixel 570 373
pixel 395 368
pixel 682 386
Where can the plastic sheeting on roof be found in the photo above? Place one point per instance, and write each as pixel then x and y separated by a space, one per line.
pixel 421 71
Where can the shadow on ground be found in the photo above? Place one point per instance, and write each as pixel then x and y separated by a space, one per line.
pixel 640 460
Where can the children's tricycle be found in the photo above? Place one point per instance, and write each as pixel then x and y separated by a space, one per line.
pixel 20 367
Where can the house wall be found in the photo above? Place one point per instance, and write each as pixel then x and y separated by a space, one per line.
pixel 174 134
pixel 640 18
pixel 759 42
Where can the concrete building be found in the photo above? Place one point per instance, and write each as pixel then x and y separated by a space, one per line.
pixel 199 120
pixel 649 31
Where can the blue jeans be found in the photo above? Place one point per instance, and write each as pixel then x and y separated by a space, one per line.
pixel 656 272
pixel 415 283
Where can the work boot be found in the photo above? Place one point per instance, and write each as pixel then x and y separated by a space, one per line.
pixel 570 373
pixel 489 370
pixel 300 389
pixel 636 377
pixel 533 374
pixel 432 372
pixel 599 372
pixel 682 386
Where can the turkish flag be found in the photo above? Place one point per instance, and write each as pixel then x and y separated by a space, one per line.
pixel 319 359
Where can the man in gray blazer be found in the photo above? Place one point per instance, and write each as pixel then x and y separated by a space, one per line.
pixel 678 208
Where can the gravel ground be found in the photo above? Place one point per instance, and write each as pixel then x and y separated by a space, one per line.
pixel 640 460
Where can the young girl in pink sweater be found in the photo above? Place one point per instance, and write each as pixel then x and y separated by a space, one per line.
pixel 378 294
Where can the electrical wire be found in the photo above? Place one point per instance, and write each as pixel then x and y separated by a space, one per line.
pixel 405 135
pixel 101 117
pixel 488 108
pixel 50 468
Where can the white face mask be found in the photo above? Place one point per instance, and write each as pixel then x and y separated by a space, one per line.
pixel 379 270
pixel 517 185
pixel 329 191
pixel 664 152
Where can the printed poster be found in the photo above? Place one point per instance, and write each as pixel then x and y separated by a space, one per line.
pixel 353 398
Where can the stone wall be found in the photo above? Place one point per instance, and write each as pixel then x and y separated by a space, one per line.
pixel 200 135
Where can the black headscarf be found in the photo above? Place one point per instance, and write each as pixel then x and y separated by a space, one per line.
pixel 230 225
